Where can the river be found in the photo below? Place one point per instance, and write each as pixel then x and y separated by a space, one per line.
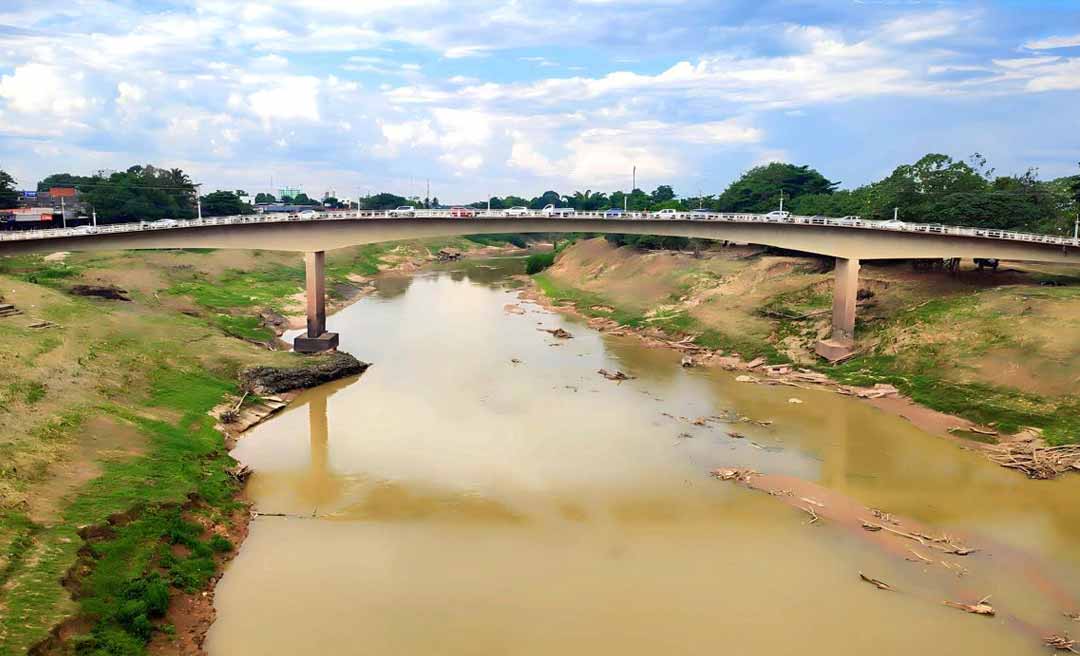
pixel 482 490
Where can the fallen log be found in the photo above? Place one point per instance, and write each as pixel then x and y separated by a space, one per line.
pixel 877 583
pixel 614 375
pixel 978 608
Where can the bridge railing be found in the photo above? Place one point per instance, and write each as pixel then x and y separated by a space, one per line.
pixel 723 217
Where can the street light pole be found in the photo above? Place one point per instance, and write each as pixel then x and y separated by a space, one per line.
pixel 198 202
pixel 63 212
pixel 1076 228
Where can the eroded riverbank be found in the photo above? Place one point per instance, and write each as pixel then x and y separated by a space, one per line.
pixel 484 490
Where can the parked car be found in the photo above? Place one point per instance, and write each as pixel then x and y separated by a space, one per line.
pixel 778 214
pixel 614 213
pixel 462 212
pixel 404 210
pixel 551 210
pixel 308 214
pixel 517 211
pixel 665 214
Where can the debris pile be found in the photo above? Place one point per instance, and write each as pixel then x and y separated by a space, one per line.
pixel 8 310
pixel 1039 462
pixel 1061 642
pixel 734 474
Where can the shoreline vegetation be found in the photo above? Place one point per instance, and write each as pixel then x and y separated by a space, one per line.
pixel 959 346
pixel 120 503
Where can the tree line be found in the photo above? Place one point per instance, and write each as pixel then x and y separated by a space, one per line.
pixel 934 189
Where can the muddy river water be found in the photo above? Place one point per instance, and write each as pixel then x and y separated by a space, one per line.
pixel 454 501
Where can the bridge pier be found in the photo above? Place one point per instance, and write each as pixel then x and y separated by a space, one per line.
pixel 316 339
pixel 845 294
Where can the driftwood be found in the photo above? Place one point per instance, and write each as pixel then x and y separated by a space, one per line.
pixel 1061 642
pixel 556 332
pixel 735 474
pixel 978 608
pixel 943 543
pixel 877 583
pixel 614 375
pixel 1039 462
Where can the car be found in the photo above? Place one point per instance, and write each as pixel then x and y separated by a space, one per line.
pixel 517 210
pixel 308 215
pixel 665 213
pixel 700 213
pixel 852 217
pixel 164 223
pixel 403 210
pixel 462 212
pixel 614 213
pixel 551 210
pixel 778 214
pixel 84 230
pixel 892 223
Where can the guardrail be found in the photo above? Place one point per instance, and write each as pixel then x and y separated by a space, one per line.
pixel 889 226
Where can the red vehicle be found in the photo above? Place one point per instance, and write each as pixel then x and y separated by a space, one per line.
pixel 462 212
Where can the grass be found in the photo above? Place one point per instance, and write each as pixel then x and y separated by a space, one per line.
pixel 127 587
pixel 674 323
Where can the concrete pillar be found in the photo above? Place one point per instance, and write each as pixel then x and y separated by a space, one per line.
pixel 316 339
pixel 845 292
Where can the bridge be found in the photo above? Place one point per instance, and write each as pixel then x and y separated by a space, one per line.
pixel 848 240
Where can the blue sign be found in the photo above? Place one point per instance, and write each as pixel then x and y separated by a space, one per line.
pixel 29 194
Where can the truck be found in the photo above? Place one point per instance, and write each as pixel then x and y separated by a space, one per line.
pixel 560 212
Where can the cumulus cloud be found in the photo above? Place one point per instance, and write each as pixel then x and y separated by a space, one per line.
pixel 39 89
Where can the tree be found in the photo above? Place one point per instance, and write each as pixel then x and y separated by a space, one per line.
pixel 62 180
pixel 261 198
pixel 662 194
pixel 382 201
pixel 224 203
pixel 545 199
pixel 9 198
pixel 759 189
pixel 142 193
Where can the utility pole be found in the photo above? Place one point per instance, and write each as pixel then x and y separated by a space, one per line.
pixel 63 213
pixel 427 198
pixel 93 214
pixel 781 200
pixel 895 214
pixel 198 202
pixel 1076 228
pixel 701 199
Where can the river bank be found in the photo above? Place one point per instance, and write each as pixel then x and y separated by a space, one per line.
pixel 951 347
pixel 104 418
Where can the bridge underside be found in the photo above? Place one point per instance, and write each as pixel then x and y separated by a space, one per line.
pixel 847 245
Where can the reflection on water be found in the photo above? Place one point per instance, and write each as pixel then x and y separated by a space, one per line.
pixel 451 501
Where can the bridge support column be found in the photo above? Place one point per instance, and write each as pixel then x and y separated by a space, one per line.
pixel 316 339
pixel 845 293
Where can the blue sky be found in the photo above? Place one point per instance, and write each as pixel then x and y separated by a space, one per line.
pixel 523 96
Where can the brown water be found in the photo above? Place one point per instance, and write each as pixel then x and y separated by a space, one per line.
pixel 450 501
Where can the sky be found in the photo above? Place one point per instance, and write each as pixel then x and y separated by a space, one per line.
pixel 517 97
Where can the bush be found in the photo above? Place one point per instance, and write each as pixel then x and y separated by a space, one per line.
pixel 537 262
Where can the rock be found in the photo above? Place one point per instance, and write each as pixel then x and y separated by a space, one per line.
pixel 745 379
pixel 755 363
pixel 111 292
pixel 794 400
pixel 513 308
pixel 448 254
pixel 687 362
pixel 310 372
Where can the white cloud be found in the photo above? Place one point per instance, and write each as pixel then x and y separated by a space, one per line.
pixel 1054 42
pixel 40 89
pixel 287 98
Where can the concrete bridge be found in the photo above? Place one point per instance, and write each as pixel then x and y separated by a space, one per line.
pixel 847 240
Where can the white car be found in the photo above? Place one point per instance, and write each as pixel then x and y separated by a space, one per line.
pixel 778 214
pixel 551 210
pixel 308 214
pixel 404 210
pixel 84 230
pixel 165 223
pixel 892 223
pixel 517 211
pixel 668 213
pixel 700 213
